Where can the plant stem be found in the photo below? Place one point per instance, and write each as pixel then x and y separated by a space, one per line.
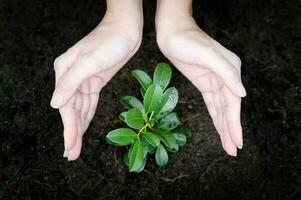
pixel 150 127
pixel 145 118
pixel 151 116
pixel 144 127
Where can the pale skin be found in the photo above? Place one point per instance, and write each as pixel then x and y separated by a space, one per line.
pixel 84 69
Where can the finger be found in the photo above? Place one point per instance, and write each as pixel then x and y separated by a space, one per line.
pixel 213 113
pixel 64 62
pixel 61 65
pixel 79 127
pixel 68 116
pixel 96 84
pixel 232 110
pixel 93 105
pixel 232 57
pixel 205 81
pixel 78 104
pixel 78 107
pixel 223 115
pixel 229 146
pixel 85 90
pixel 218 106
pixel 75 151
pixel 211 109
pixel 69 82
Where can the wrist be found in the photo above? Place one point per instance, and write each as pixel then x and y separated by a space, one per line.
pixel 125 10
pixel 127 14
pixel 124 16
pixel 173 15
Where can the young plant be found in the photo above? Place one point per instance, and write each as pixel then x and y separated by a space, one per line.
pixel 153 127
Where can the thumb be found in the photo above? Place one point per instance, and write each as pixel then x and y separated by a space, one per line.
pixel 70 81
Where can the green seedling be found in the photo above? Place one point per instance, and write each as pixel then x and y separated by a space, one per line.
pixel 153 127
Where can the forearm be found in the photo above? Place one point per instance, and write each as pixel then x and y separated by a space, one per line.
pixel 178 7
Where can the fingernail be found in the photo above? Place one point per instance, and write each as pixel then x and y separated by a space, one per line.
pixel 240 144
pixel 234 154
pixel 66 152
pixel 56 100
pixel 241 89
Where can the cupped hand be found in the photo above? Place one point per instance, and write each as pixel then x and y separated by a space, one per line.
pixel 83 70
pixel 214 70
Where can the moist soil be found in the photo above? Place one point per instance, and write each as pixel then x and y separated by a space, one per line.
pixel 265 34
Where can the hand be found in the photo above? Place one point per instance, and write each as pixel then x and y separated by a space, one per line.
pixel 212 68
pixel 84 70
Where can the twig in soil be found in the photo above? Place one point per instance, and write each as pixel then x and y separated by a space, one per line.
pixel 84 185
pixel 40 171
pixel 212 164
pixel 146 171
pixel 115 158
pixel 100 180
pixel 45 184
pixel 172 180
pixel 269 68
pixel 295 192
pixel 97 183
pixel 191 118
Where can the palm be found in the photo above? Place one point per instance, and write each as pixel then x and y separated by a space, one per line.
pixel 79 110
pixel 92 65
pixel 189 52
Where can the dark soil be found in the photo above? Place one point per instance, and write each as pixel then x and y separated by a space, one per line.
pixel 265 34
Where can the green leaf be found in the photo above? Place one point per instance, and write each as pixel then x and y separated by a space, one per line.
pixel 180 139
pixel 152 99
pixel 136 157
pixel 151 138
pixel 147 148
pixel 182 130
pixel 132 102
pixel 112 143
pixel 169 122
pixel 126 159
pixel 134 118
pixel 168 102
pixel 162 75
pixel 122 116
pixel 142 91
pixel 168 139
pixel 143 78
pixel 121 136
pixel 142 166
pixel 174 150
pixel 161 156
